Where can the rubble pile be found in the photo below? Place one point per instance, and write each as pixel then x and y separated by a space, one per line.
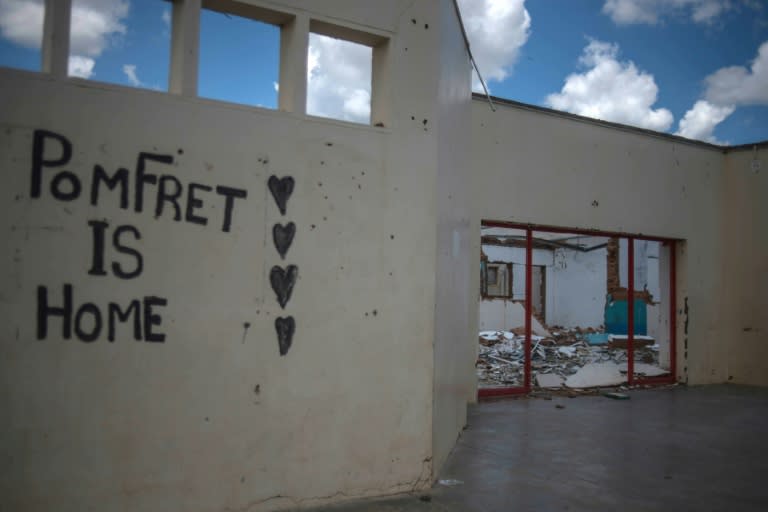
pixel 557 357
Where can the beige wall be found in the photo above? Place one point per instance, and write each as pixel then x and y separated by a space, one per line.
pixel 453 352
pixel 214 418
pixel 745 234
pixel 531 166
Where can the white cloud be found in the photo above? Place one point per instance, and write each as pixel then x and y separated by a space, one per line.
pixel 21 22
pixel 611 90
pixel 276 86
pixel 94 24
pixel 339 79
pixel 628 12
pixel 700 121
pixel 130 73
pixel 81 67
pixel 167 17
pixel 496 30
pixel 737 85
pixel 726 89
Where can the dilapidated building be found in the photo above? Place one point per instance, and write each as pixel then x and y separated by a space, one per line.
pixel 208 306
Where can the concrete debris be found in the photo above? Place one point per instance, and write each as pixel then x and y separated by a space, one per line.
pixel 549 380
pixel 450 482
pixel 596 375
pixel 560 356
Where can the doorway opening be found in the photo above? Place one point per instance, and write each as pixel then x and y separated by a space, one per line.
pixel 564 308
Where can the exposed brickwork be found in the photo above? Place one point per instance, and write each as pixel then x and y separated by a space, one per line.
pixel 612 260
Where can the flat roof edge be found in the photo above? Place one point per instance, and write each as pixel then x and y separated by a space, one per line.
pixel 618 126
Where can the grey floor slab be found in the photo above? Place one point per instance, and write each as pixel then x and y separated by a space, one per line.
pixel 698 448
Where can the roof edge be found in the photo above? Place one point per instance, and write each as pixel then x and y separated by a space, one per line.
pixel 619 126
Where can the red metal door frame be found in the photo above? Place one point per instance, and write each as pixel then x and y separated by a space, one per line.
pixel 672 275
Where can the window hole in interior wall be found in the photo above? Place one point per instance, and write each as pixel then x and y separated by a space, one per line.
pixel 339 79
pixel 239 59
pixel 120 42
pixel 21 34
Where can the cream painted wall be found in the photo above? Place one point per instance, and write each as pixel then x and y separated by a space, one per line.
pixel 542 168
pixel 214 418
pixel 745 234
pixel 455 262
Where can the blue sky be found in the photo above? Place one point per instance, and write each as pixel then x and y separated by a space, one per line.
pixel 692 67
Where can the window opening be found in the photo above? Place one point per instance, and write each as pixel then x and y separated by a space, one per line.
pixel 339 79
pixel 121 42
pixel 21 34
pixel 239 59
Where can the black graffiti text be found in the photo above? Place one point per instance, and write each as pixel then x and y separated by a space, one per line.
pixel 51 152
pixel 88 321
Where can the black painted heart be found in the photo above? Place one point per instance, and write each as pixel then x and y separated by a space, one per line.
pixel 281 189
pixel 282 281
pixel 282 236
pixel 285 327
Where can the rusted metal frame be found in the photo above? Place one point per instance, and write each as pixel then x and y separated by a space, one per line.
pixel 575 231
pixel 630 311
pixel 529 228
pixel 652 381
pixel 526 387
pixel 672 377
pixel 673 309
pixel 528 306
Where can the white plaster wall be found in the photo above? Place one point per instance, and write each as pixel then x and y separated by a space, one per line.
pixel 578 288
pixel 214 418
pixel 549 169
pixel 505 315
pixel 575 285
pixel 516 255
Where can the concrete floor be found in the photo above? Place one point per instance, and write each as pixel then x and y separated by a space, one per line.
pixel 699 448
